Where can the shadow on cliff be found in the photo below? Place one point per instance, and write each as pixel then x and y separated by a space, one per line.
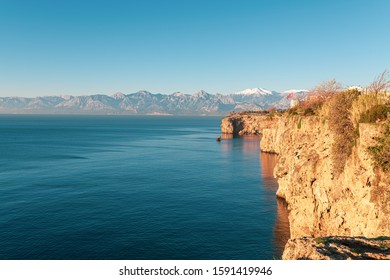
pixel 282 225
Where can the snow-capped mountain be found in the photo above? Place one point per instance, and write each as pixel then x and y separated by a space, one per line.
pixel 254 91
pixel 144 102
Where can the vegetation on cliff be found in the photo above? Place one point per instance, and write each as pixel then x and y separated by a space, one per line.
pixel 334 155
pixel 344 110
pixel 381 151
pixel 342 127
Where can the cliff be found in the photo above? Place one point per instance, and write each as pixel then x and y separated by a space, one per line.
pixel 248 124
pixel 324 201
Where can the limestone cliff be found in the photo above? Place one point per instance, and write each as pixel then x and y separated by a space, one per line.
pixel 247 124
pixel 322 201
pixel 354 203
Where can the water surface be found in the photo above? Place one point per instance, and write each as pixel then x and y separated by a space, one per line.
pixel 132 187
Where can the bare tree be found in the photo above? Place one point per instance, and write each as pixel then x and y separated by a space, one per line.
pixel 381 84
pixel 325 90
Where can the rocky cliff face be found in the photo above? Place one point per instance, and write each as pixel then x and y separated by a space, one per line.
pixel 248 124
pixel 322 201
pixel 354 203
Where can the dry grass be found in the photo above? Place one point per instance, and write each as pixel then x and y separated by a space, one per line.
pixel 316 98
pixel 342 127
pixel 344 110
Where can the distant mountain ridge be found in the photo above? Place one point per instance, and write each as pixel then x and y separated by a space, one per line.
pixel 147 103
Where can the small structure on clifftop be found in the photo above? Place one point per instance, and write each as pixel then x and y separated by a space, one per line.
pixel 294 102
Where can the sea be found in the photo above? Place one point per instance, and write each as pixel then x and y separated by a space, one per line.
pixel 135 187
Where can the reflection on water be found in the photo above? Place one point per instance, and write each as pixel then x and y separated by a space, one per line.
pixel 267 165
pixel 227 136
pixel 248 146
pixel 134 187
pixel 282 226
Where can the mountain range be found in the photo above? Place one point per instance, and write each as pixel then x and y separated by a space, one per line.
pixel 147 103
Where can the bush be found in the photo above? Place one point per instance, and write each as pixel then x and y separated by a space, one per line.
pixel 381 84
pixel 342 127
pixel 381 151
pixel 375 114
pixel 308 107
pixel 363 105
pixel 316 99
pixel 326 90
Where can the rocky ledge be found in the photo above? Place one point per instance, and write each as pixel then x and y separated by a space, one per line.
pixel 337 248
pixel 248 124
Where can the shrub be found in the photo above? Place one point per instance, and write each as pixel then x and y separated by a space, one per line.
pixel 316 99
pixel 308 107
pixel 363 104
pixel 381 84
pixel 381 151
pixel 376 113
pixel 340 124
pixel 326 89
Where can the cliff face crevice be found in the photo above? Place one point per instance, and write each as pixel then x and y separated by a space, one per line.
pixel 354 203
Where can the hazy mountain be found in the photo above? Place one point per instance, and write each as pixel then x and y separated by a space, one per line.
pixel 144 102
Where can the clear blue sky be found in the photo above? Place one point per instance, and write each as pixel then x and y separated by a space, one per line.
pixel 87 47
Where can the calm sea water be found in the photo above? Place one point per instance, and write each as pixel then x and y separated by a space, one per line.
pixel 130 187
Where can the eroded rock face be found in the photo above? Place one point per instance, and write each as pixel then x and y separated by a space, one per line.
pixel 337 248
pixel 355 203
pixel 323 201
pixel 249 124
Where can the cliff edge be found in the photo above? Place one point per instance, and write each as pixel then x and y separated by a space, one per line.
pixel 248 124
pixel 324 201
pixel 346 203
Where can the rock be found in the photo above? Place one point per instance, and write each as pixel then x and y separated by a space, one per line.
pixel 355 203
pixel 248 124
pixel 337 248
pixel 323 201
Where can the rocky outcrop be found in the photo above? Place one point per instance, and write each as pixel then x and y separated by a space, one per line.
pixel 248 124
pixel 337 248
pixel 354 203
pixel 322 201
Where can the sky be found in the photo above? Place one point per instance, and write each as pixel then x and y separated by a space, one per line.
pixel 90 47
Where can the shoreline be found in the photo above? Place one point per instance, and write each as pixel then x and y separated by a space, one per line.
pixel 311 192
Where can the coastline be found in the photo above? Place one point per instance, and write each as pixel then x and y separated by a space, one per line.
pixel 320 205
